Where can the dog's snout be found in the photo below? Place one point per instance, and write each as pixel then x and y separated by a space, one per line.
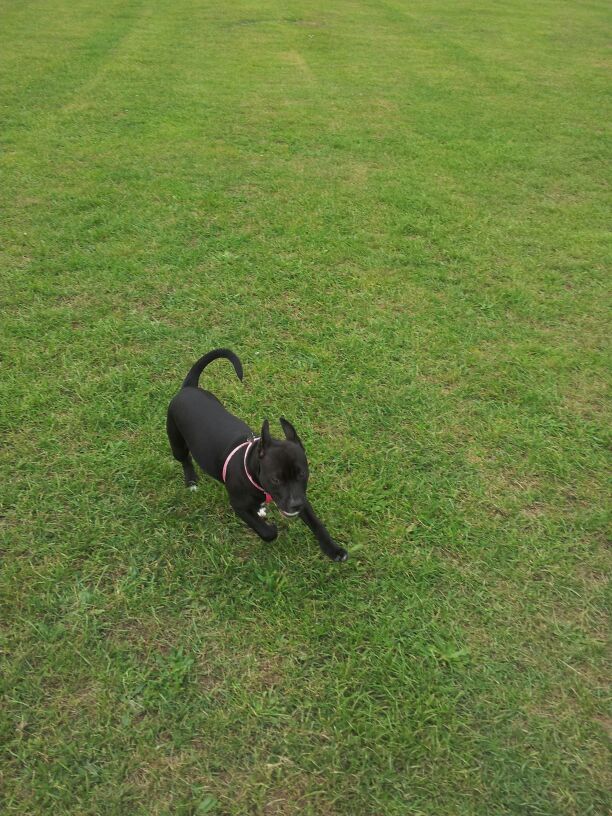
pixel 291 510
pixel 294 506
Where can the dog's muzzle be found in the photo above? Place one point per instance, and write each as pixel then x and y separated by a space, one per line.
pixel 289 515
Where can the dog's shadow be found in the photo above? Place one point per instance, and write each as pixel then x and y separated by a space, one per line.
pixel 232 565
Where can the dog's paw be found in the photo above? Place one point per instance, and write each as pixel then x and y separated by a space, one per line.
pixel 340 555
pixel 191 480
pixel 269 533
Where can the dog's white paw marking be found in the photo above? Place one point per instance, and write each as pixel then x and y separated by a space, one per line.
pixel 193 488
pixel 262 513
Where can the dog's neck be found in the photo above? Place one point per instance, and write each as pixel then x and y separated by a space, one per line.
pixel 252 462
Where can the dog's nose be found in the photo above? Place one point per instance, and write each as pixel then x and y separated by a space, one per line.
pixel 295 507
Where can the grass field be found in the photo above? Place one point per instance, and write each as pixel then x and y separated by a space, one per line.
pixel 396 214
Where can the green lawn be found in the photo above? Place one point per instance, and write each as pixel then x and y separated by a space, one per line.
pixel 396 213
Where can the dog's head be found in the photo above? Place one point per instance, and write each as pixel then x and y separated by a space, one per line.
pixel 283 468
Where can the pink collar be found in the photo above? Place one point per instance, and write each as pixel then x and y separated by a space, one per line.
pixel 248 443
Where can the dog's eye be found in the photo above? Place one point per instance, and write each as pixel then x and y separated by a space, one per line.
pixel 275 481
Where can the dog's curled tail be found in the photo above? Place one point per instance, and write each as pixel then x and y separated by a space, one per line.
pixel 191 380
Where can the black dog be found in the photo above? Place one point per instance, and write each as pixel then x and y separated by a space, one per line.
pixel 252 469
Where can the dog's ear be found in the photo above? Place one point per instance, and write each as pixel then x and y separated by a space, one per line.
pixel 290 432
pixel 265 438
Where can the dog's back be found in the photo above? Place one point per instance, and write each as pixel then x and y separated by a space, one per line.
pixel 209 430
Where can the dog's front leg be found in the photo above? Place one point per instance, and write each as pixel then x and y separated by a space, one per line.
pixel 264 530
pixel 326 542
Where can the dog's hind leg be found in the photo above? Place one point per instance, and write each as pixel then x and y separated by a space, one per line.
pixel 180 451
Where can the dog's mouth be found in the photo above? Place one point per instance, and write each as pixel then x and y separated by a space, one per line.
pixel 289 515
